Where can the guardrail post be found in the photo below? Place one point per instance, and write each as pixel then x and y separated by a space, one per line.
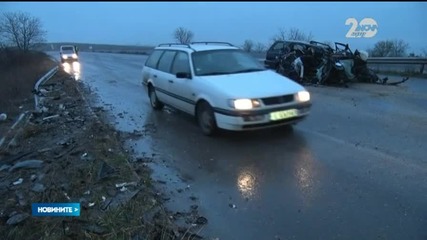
pixel 422 68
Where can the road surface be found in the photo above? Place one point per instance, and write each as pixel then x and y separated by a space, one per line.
pixel 356 168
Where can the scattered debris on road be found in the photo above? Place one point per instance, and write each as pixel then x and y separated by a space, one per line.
pixel 27 164
pixel 3 117
pixel 65 153
pixel 17 218
pixel 18 182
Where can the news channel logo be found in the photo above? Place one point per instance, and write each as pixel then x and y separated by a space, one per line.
pixel 367 28
pixel 55 209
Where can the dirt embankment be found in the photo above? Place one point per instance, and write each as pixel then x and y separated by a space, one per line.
pixel 65 154
pixel 19 71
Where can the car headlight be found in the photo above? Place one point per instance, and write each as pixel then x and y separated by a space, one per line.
pixel 244 103
pixel 303 96
pixel 74 55
pixel 64 56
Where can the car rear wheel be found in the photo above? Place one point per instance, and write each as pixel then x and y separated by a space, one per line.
pixel 154 101
pixel 206 119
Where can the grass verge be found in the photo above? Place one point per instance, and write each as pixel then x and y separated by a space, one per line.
pixel 83 161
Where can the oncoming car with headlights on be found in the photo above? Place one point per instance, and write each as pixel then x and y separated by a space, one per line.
pixel 68 53
pixel 223 87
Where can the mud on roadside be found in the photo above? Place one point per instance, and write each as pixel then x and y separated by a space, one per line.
pixel 66 154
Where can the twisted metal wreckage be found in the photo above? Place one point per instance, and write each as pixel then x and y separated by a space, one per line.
pixel 318 63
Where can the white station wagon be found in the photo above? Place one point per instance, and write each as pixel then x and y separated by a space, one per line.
pixel 222 86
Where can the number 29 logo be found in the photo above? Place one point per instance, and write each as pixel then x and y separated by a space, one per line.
pixel 367 28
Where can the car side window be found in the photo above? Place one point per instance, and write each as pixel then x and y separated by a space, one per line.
pixel 181 63
pixel 165 62
pixel 154 59
pixel 278 46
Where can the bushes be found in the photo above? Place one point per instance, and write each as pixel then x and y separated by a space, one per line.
pixel 19 71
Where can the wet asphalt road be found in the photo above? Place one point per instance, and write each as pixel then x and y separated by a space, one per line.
pixel 356 168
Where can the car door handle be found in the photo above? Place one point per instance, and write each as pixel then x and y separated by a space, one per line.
pixel 171 81
pixel 155 76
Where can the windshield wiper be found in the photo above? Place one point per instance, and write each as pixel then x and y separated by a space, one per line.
pixel 240 71
pixel 249 70
pixel 212 73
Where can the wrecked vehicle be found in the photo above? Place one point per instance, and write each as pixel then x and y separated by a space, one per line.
pixel 318 63
pixel 336 67
pixel 309 63
pixel 299 64
pixel 356 66
pixel 279 48
pixel 367 75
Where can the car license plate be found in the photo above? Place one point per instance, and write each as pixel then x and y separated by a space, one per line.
pixel 280 115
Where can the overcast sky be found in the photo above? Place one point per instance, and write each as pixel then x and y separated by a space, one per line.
pixel 152 23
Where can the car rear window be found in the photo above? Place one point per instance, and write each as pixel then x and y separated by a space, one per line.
pixel 154 58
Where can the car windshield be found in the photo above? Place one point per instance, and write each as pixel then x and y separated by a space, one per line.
pixel 218 62
pixel 68 49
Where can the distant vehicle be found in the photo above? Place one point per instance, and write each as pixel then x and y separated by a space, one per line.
pixel 223 87
pixel 68 53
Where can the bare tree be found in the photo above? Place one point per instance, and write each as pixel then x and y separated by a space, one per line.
pixel 399 49
pixel 248 46
pixel 259 48
pixel 183 35
pixel 280 36
pixel 381 49
pixel 424 52
pixel 389 48
pixel 2 38
pixel 293 34
pixel 21 30
pixel 298 35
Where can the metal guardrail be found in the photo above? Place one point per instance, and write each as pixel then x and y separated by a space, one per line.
pixel 394 60
pixel 399 60
pixel 43 79
pixel 24 117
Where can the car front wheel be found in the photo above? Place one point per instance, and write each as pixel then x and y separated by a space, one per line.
pixel 206 119
pixel 154 101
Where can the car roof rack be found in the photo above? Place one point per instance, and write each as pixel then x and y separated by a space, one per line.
pixel 174 44
pixel 170 44
pixel 206 43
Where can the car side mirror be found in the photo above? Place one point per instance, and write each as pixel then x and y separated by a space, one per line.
pixel 183 75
